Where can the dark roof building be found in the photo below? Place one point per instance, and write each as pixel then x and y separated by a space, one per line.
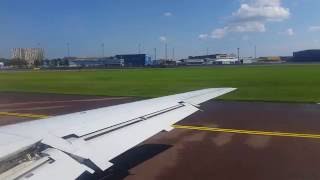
pixel 135 60
pixel 212 56
pixel 312 55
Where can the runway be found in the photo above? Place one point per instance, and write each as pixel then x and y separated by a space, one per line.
pixel 20 107
pixel 226 140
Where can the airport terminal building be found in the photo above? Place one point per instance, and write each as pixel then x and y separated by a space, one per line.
pixel 214 59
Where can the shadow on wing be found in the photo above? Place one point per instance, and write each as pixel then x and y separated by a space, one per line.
pixel 128 160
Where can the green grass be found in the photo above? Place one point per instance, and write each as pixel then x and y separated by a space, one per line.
pixel 286 83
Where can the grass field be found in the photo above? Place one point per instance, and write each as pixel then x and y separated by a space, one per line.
pixel 286 83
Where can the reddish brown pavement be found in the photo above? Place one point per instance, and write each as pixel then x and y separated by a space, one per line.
pixel 226 156
pixel 51 104
pixel 192 154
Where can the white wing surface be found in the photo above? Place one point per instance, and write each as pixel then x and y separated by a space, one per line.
pixel 64 147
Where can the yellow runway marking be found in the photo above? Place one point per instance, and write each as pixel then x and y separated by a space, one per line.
pixel 238 131
pixel 34 108
pixel 63 101
pixel 23 115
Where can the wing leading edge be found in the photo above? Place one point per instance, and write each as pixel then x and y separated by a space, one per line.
pixel 89 140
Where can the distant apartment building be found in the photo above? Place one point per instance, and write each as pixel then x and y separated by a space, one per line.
pixel 30 55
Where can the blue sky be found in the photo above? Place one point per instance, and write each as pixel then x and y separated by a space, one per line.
pixel 276 27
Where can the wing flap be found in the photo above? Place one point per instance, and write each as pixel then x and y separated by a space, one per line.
pixel 100 135
pixel 109 146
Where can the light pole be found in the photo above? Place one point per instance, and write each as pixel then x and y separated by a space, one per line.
pixel 255 52
pixel 139 48
pixel 166 51
pixel 68 49
pixel 102 46
pixel 173 54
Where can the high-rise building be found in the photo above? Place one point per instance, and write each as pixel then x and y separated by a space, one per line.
pixel 28 54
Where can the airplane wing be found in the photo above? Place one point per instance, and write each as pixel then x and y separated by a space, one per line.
pixel 64 147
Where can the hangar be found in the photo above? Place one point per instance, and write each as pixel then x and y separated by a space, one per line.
pixel 312 55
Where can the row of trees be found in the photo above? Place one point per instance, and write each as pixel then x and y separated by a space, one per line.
pixel 21 63
pixel 17 63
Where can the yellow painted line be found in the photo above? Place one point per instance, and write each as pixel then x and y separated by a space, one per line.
pixel 239 131
pixel 65 101
pixel 23 115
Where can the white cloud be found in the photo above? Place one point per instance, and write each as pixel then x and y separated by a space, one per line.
pixel 167 14
pixel 163 39
pixel 252 16
pixel 314 28
pixel 262 11
pixel 219 33
pixel 248 27
pixel 290 32
pixel 203 36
